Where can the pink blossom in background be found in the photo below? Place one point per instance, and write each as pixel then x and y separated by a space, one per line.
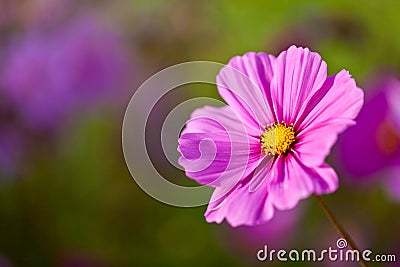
pixel 373 143
pixel 30 82
pixel 371 150
pixel 283 116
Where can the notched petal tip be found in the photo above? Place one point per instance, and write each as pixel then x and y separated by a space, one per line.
pixel 298 48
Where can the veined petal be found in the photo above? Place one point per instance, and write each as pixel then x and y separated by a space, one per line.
pixel 314 144
pixel 293 181
pixel 290 183
pixel 244 83
pixel 240 206
pixel 338 98
pixel 216 148
pixel 261 173
pixel 326 181
pixel 298 74
pixel 222 118
pixel 326 114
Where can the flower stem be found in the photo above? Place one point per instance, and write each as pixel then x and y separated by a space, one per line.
pixel 339 228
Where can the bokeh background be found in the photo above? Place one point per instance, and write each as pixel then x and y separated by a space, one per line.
pixel 67 71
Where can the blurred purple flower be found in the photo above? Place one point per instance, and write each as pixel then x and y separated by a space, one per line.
pixel 49 75
pixel 95 62
pixel 374 142
pixel 373 146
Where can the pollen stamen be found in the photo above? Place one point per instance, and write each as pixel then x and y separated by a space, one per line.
pixel 277 138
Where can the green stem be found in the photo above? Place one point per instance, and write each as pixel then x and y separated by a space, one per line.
pixel 340 228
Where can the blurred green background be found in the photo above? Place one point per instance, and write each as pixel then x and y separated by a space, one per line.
pixel 69 199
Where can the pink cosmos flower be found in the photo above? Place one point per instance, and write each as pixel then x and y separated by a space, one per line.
pixel 266 150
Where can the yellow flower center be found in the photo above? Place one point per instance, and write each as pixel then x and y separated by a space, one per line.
pixel 277 138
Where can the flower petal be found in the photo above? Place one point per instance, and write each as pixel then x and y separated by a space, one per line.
pixel 261 173
pixel 293 181
pixel 326 181
pixel 327 113
pixel 289 184
pixel 315 144
pixel 244 83
pixel 216 148
pixel 298 73
pixel 240 206
pixel 217 117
